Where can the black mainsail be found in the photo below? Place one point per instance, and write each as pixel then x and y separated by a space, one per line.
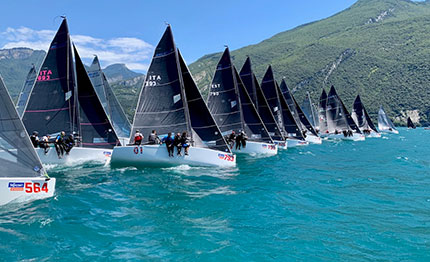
pixel 338 117
pixel 206 131
pixel 170 101
pixel 51 107
pixel 95 128
pixel 223 101
pixel 361 117
pixel 25 91
pixel 253 87
pixel 109 100
pixel 254 126
pixel 411 124
pixel 162 102
pixel 279 106
pixel 295 109
pixel 18 157
pixel 229 97
pixel 322 113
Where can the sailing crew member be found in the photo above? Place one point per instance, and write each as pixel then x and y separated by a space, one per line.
pixel 59 144
pixel 45 143
pixel 185 142
pixel 138 137
pixel 69 143
pixel 153 139
pixel 244 138
pixel 168 140
pixel 231 138
pixel 239 139
pixel 177 143
pixel 35 139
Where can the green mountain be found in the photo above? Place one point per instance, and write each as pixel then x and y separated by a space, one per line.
pixel 119 72
pixel 379 49
pixel 15 64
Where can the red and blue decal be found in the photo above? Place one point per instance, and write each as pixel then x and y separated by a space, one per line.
pixel 107 153
pixel 226 157
pixel 16 186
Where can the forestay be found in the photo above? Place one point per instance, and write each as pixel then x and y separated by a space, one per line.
pixel 309 110
pixel 25 91
pixel 17 156
pixel 109 100
pixel 52 104
pixel 95 128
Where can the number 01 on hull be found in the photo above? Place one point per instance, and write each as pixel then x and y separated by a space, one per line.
pixel 156 155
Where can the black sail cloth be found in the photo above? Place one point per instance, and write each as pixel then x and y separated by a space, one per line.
pixel 52 104
pixel 96 131
pixel 259 100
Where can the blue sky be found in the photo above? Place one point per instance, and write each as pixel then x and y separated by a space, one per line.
pixel 127 30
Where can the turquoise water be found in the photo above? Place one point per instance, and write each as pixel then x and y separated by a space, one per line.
pixel 340 201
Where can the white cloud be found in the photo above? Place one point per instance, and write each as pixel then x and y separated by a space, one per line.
pixel 133 52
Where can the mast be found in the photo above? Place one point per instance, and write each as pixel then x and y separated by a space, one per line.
pixel 181 80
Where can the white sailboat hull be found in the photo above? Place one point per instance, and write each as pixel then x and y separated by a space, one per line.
pixel 354 137
pixel 156 155
pixel 393 131
pixel 291 142
pixel 76 155
pixel 313 139
pixel 257 148
pixel 373 134
pixel 20 189
pixel 281 144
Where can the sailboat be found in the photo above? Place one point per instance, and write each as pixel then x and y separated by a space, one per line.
pixel 171 102
pixel 25 91
pixel 384 122
pixel 60 102
pixel 305 126
pixel 279 107
pixel 340 124
pixel 310 111
pixel 233 110
pixel 411 124
pixel 322 114
pixel 362 118
pixel 259 100
pixel 22 177
pixel 109 101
